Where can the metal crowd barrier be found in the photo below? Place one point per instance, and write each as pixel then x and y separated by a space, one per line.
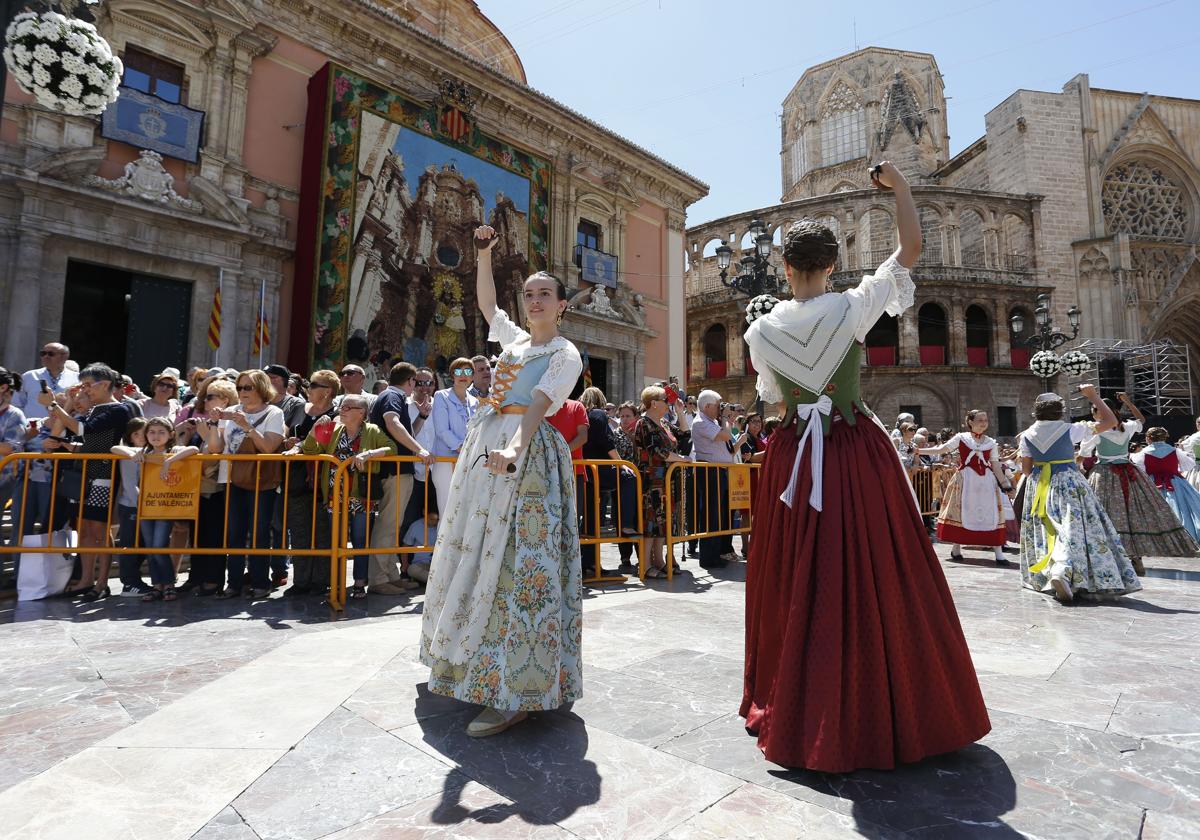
pixel 67 507
pixel 702 480
pixel 929 484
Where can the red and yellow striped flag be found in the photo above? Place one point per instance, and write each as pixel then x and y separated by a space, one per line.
pixel 214 322
pixel 262 336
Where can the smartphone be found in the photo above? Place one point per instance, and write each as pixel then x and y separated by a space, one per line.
pixel 45 386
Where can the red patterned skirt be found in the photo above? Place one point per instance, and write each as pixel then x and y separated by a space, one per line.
pixel 854 654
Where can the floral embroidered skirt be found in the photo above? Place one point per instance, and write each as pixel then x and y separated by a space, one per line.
pixel 1087 553
pixel 502 623
pixel 1146 523
pixel 1184 501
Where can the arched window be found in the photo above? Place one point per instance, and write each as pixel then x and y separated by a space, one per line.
pixel 843 127
pixel 979 337
pixel 1019 351
pixel 932 334
pixel 1142 198
pixel 714 352
pixel 883 342
pixel 970 238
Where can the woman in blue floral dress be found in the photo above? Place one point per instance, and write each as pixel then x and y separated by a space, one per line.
pixel 1069 546
pixel 503 621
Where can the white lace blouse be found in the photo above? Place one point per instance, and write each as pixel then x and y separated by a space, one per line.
pixel 552 368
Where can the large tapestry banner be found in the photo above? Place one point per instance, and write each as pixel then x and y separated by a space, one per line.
pixel 403 184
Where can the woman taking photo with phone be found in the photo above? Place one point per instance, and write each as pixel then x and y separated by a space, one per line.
pixel 254 428
pixel 503 612
pixel 453 409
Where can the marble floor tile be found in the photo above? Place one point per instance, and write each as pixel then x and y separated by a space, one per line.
pixel 138 794
pixel 755 813
pixel 345 771
pixel 398 696
pixel 463 809
pixel 143 693
pixel 1166 827
pixel 690 672
pixel 1081 705
pixel 556 769
pixel 642 710
pixel 227 825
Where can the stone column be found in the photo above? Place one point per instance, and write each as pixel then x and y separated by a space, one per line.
pixel 910 341
pixel 25 303
pixel 953 255
pixel 1000 329
pixel 957 352
pixel 232 315
pixel 676 300
pixel 735 353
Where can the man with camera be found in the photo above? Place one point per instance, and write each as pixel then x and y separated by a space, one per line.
pixel 713 442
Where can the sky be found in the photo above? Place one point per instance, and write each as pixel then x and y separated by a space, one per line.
pixel 700 83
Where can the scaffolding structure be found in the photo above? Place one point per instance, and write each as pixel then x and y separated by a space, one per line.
pixel 1156 375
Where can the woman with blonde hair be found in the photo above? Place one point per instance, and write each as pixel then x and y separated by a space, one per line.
pixel 254 427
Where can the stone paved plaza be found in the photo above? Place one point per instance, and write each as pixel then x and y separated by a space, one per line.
pixel 222 721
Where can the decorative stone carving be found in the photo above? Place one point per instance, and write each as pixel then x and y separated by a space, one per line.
pixel 900 107
pixel 146 179
pixel 1140 199
pixel 599 303
pixel 841 99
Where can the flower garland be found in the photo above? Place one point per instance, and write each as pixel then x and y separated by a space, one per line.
pixel 1075 362
pixel 63 62
pixel 1045 364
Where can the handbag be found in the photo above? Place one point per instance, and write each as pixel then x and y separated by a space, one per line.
pixel 255 475
pixel 42 575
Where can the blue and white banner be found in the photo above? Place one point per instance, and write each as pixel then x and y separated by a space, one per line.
pixel 148 122
pixel 598 267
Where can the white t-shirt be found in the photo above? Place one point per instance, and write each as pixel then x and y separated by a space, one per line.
pixel 424 437
pixel 271 421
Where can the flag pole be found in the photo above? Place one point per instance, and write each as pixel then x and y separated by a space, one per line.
pixel 217 349
pixel 262 318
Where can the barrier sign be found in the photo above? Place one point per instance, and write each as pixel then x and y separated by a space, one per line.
pixel 739 487
pixel 176 497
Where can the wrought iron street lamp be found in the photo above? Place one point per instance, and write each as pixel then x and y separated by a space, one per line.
pixel 1044 336
pixel 755 274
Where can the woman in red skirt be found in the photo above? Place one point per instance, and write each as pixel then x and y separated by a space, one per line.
pixel 854 653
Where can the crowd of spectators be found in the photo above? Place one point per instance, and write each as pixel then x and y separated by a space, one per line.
pixel 246 505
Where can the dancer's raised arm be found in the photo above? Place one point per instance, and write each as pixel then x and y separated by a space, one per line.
pixel 908 224
pixel 485 285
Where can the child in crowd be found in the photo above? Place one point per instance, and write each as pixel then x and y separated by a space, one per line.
pixel 418 568
pixel 156 533
pixel 129 471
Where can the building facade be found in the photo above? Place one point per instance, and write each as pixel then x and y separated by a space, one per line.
pixel 118 249
pixel 1089 196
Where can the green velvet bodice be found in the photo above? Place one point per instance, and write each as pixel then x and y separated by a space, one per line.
pixel 844 391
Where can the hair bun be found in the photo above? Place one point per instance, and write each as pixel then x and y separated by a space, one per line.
pixel 759 307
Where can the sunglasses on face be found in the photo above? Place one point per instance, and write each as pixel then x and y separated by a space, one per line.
pixel 350 373
pixel 208 397
pixel 50 353
pixel 162 386
pixel 424 383
pixel 463 371
pixel 316 385
pixel 245 387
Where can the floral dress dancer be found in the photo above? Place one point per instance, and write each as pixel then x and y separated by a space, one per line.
pixel 972 506
pixel 502 621
pixel 1146 523
pixel 1069 545
pixel 1191 445
pixel 854 653
pixel 1166 465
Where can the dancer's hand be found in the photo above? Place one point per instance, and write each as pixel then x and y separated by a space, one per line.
pixel 499 459
pixel 485 237
pixel 1087 390
pixel 886 176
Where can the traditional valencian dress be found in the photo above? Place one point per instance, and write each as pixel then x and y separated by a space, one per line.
pixel 972 508
pixel 502 619
pixel 1065 532
pixel 1146 523
pixel 1165 465
pixel 1192 447
pixel 854 653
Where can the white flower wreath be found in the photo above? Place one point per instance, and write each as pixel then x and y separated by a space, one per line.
pixel 1044 363
pixel 759 307
pixel 63 62
pixel 1075 362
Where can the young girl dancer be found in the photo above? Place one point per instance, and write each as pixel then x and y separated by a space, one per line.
pixel 854 653
pixel 156 533
pixel 972 507
pixel 1166 465
pixel 502 618
pixel 1068 544
pixel 1146 523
